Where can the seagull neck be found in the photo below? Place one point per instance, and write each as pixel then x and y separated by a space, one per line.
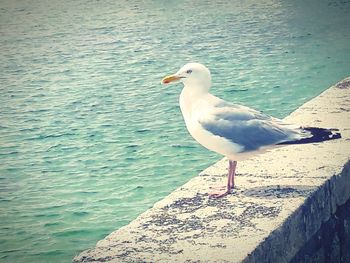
pixel 188 99
pixel 194 91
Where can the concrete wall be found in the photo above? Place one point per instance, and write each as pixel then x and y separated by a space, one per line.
pixel 331 243
pixel 291 205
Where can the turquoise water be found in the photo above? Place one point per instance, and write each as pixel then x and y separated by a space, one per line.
pixel 89 138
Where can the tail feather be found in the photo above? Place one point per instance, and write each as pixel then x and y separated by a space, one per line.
pixel 317 135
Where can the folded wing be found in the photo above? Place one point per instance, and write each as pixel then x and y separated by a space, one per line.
pixel 249 128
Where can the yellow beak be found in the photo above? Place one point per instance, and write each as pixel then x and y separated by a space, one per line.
pixel 171 78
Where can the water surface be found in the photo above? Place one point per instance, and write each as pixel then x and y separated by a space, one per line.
pixel 89 138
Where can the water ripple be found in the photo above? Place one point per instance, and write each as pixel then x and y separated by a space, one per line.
pixel 89 138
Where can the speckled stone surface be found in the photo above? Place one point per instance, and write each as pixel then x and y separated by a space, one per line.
pixel 281 200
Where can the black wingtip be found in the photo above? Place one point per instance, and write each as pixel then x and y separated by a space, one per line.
pixel 321 134
pixel 318 135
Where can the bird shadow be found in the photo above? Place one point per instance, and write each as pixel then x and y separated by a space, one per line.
pixel 279 191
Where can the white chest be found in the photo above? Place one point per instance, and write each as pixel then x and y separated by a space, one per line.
pixel 192 110
pixel 187 105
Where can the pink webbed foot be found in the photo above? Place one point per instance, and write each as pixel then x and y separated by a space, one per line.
pixel 220 191
pixel 223 191
pixel 219 194
pixel 219 188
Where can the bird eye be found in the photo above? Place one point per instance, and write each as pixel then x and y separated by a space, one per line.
pixel 189 71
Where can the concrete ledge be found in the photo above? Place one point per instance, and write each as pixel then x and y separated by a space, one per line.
pixel 282 200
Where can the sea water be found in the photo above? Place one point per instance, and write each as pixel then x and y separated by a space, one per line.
pixel 89 138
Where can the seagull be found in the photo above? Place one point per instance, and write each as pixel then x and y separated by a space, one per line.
pixel 234 131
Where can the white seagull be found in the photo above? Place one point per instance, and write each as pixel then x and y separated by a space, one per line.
pixel 235 131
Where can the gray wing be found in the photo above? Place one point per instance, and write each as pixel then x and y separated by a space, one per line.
pixel 247 127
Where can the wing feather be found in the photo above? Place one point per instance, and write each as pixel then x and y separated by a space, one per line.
pixel 247 127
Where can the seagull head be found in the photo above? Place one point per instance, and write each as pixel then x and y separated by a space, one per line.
pixel 192 75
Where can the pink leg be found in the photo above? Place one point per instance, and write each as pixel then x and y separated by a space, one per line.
pixel 233 165
pixel 230 181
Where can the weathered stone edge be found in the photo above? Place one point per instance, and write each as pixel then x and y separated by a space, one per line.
pixel 285 241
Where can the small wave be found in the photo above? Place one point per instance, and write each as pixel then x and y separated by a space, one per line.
pixel 49 136
pixel 143 130
pixel 183 146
